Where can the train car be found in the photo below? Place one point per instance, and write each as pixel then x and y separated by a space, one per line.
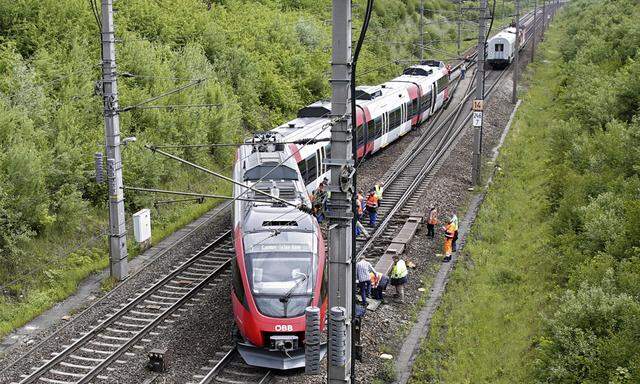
pixel 279 268
pixel 280 263
pixel 384 113
pixel 500 48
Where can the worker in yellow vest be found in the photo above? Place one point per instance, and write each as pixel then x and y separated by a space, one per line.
pixel 399 277
pixel 379 189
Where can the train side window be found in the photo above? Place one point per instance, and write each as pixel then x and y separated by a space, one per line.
pixel 311 169
pixel 302 165
pixel 360 134
pixel 442 83
pixel 414 107
pixel 425 102
pixel 378 127
pixel 238 286
pixel 394 118
pixel 499 48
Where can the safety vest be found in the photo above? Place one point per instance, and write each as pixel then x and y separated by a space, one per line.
pixel 449 230
pixel 372 201
pixel 359 201
pixel 454 221
pixel 399 270
pixel 433 217
pixel 374 279
pixel 378 192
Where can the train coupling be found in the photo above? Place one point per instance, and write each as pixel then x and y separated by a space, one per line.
pixel 283 343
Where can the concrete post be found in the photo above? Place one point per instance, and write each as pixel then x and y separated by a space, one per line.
pixel 339 206
pixel 119 265
pixel 477 128
pixel 516 69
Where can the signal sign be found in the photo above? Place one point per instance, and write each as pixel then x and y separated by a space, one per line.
pixel 478 105
pixel 477 118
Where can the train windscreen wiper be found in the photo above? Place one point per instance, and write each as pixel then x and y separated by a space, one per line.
pixel 284 299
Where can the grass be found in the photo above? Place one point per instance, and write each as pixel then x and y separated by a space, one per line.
pixel 486 326
pixel 62 278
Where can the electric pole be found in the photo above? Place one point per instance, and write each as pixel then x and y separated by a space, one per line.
pixel 119 265
pixel 516 70
pixel 535 30
pixel 340 206
pixel 544 16
pixel 459 24
pixel 478 103
pixel 421 30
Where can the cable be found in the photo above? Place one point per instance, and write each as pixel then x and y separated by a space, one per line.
pixel 301 142
pixel 94 10
pixel 164 94
pixel 53 81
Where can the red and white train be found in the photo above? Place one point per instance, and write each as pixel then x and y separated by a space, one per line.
pixel 280 263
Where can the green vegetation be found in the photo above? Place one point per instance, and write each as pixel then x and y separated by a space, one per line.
pixel 261 60
pixel 549 288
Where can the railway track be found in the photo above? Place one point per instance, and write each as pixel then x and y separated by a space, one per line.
pixel 90 355
pixel 410 177
pixel 228 367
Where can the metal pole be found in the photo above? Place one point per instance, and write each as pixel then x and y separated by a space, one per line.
pixel 516 70
pixel 535 30
pixel 119 265
pixel 339 209
pixel 478 103
pixel 544 16
pixel 421 30
pixel 459 24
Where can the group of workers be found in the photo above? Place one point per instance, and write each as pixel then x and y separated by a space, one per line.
pixel 372 283
pixel 450 231
pixel 368 205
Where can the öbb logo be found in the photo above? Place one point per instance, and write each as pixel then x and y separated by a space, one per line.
pixel 284 328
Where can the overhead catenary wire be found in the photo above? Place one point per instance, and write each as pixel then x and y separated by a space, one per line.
pixel 302 142
pixel 164 94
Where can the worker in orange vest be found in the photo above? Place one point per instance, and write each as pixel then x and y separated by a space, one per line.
pixel 360 204
pixel 372 207
pixel 432 221
pixel 449 231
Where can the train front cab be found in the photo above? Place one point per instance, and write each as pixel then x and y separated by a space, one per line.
pixel 273 283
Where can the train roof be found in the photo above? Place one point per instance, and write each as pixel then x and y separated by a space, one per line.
pixel 420 74
pixel 368 92
pixel 268 218
pixel 508 34
pixel 320 108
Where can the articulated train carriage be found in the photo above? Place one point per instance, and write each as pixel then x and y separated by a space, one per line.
pixel 279 267
pixel 280 264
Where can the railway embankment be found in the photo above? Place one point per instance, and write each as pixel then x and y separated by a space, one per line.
pixel 547 286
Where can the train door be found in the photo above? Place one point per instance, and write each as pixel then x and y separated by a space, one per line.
pixel 319 163
pixel 384 140
pixel 434 97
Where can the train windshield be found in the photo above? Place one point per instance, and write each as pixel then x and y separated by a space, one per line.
pixel 281 282
pixel 281 269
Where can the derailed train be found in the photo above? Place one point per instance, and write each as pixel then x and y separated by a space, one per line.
pixel 280 263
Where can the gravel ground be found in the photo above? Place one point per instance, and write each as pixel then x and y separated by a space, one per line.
pixel 131 287
pixel 384 329
pixel 190 344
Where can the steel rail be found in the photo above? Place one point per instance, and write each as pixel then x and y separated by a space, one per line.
pixel 45 368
